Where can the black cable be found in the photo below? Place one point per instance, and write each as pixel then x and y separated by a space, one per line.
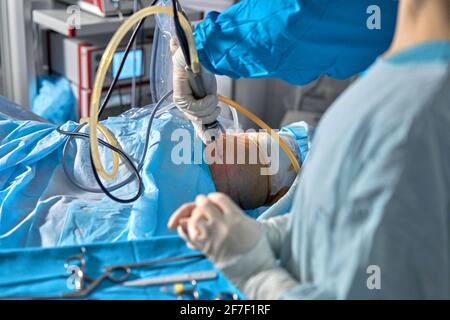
pixel 109 194
pixel 155 48
pixel 122 63
pixel 147 146
pixel 102 109
pixel 182 39
pixel 105 103
pixel 77 134
pixel 141 187
pixel 122 154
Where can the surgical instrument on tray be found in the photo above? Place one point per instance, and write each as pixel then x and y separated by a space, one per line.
pixel 178 278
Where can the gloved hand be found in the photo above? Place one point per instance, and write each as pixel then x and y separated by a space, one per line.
pixel 199 111
pixel 233 242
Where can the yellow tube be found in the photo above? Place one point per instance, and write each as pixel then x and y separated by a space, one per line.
pixel 105 64
pixel 112 141
pixel 264 126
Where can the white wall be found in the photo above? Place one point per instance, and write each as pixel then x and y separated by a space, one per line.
pixel 19 49
pixel 2 90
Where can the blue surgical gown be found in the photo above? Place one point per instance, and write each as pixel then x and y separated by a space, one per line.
pixel 372 209
pixel 295 40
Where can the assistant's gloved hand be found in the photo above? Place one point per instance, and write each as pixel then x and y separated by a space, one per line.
pixel 234 243
pixel 198 111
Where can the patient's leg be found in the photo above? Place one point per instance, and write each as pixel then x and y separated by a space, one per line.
pixel 244 177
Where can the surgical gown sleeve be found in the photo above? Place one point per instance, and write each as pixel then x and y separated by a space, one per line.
pixel 393 229
pixel 295 40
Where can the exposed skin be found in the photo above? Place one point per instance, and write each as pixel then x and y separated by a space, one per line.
pixel 420 21
pixel 242 182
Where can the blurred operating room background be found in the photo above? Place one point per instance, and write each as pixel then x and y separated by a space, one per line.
pixel 60 64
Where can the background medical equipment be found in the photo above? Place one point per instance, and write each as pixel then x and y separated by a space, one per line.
pixel 81 52
pixel 73 52
pixel 78 59
pixel 106 7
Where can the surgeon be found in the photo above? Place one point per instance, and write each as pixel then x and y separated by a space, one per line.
pixel 293 40
pixel 371 211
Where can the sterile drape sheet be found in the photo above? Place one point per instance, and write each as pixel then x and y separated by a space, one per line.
pixel 39 207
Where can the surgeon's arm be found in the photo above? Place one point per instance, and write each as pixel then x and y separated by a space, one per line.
pixel 295 40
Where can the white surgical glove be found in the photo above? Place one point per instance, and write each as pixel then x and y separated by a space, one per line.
pixel 235 243
pixel 199 111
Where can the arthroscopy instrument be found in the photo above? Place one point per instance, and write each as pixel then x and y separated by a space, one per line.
pixel 212 130
pixel 178 278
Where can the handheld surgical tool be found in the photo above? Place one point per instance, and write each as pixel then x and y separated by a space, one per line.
pixel 198 276
pixel 212 130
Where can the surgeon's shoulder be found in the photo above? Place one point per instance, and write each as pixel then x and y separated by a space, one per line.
pixel 430 97
pixel 408 114
pixel 417 94
pixel 425 121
